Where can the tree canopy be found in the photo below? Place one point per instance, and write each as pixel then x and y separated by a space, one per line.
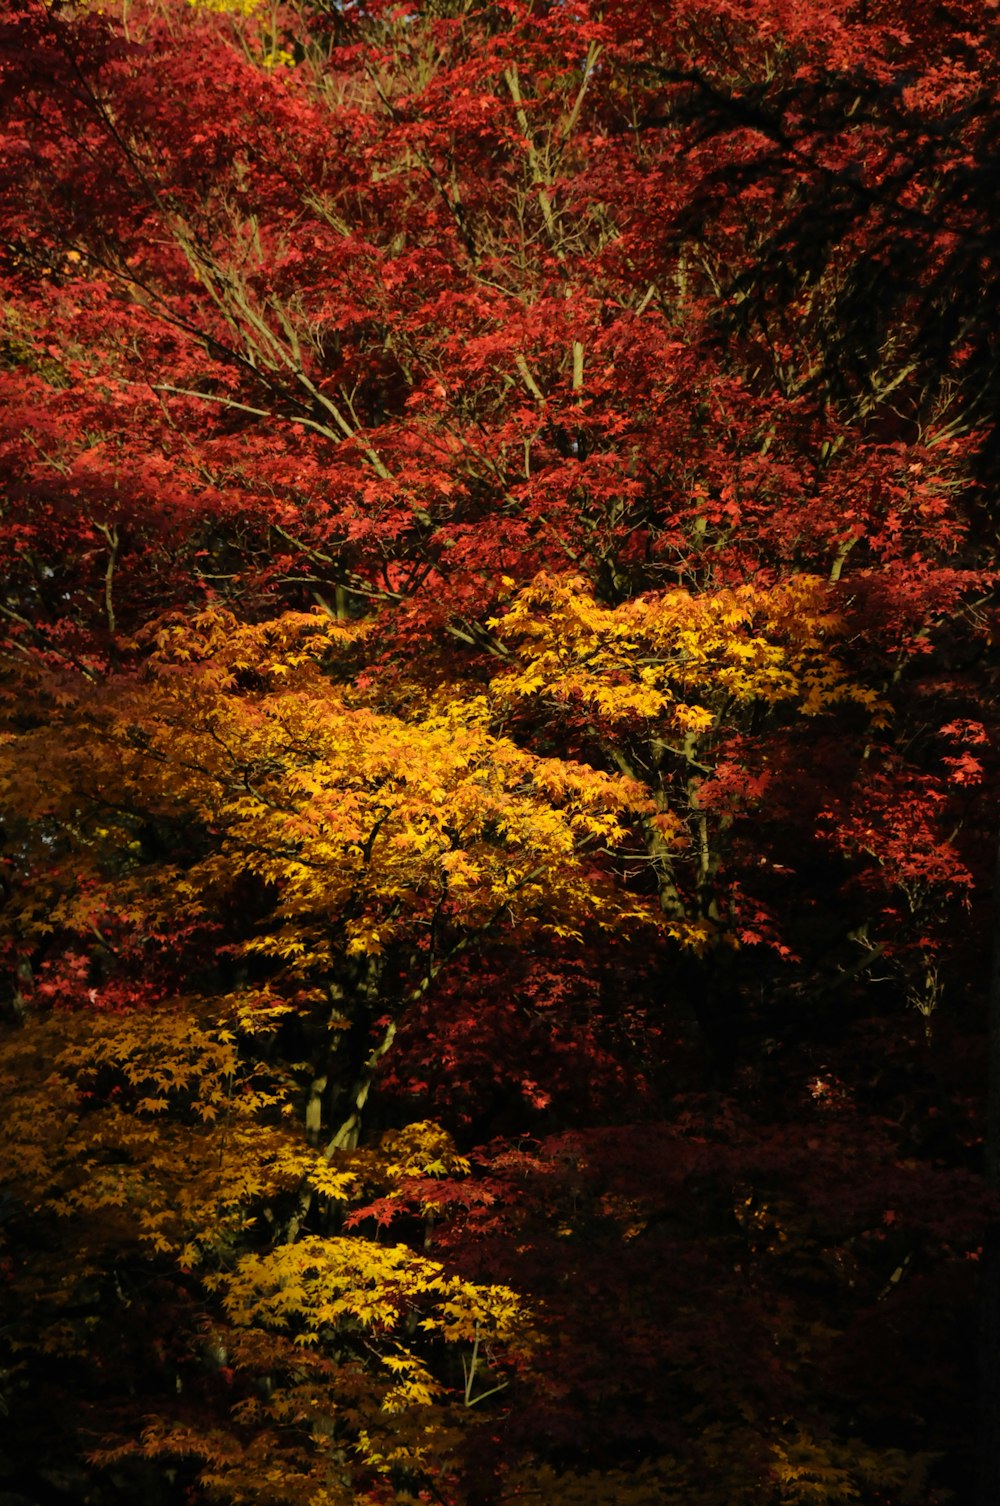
pixel 498 751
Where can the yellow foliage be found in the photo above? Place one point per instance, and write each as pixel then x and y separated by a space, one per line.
pixel 812 1471
pixel 422 1149
pixel 358 821
pixel 227 7
pixel 107 1131
pixel 677 657
pixel 148 1129
pixel 163 1133
pixel 318 1287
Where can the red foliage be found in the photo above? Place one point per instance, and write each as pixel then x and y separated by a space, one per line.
pixel 391 309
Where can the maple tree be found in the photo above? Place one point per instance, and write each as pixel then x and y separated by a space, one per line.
pixel 497 736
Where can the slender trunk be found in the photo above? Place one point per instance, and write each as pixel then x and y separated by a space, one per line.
pixel 988 1493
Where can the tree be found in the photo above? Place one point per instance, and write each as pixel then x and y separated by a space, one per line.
pixel 496 735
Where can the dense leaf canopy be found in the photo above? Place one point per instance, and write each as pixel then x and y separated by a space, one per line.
pixel 498 735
